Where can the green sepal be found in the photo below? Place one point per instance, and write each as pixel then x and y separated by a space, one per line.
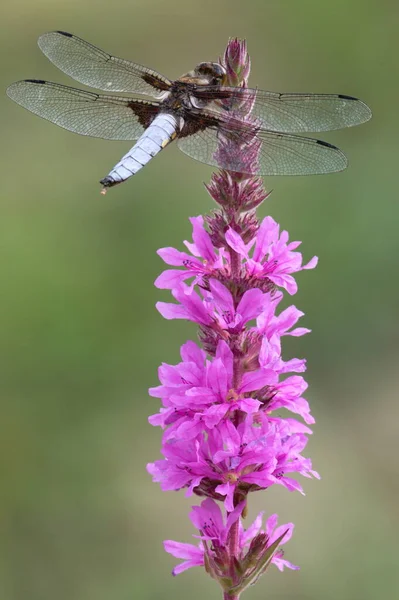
pixel 226 583
pixel 260 567
pixel 208 567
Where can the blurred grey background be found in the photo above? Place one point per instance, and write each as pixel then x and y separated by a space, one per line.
pixel 81 340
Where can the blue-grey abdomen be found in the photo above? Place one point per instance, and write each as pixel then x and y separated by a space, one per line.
pixel 162 130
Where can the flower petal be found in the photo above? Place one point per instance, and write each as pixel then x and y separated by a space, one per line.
pixel 235 242
pixel 202 239
pixel 180 550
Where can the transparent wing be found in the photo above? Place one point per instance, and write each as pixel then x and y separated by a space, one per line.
pixel 293 113
pixel 107 117
pixel 93 67
pixel 263 152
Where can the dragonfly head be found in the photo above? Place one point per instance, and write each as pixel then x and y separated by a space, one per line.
pixel 213 72
pixel 206 73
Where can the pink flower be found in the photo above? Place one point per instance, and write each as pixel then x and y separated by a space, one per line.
pixel 273 533
pixel 268 323
pixel 229 460
pixel 200 392
pixel 272 257
pixel 216 308
pixel 288 394
pixel 208 519
pixel 214 535
pixel 204 262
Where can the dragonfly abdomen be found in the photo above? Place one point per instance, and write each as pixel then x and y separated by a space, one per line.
pixel 156 137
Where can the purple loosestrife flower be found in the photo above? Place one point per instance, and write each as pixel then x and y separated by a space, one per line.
pixel 273 259
pixel 205 261
pixel 229 461
pixel 216 308
pixel 222 435
pixel 204 389
pixel 214 538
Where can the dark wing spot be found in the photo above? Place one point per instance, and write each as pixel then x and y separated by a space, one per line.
pixel 346 97
pixel 144 112
pixel 155 81
pixel 41 81
pixel 65 33
pixel 326 144
pixel 194 124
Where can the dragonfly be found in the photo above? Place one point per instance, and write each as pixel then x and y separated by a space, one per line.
pixel 198 110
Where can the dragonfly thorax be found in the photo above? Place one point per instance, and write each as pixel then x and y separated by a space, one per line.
pixel 181 98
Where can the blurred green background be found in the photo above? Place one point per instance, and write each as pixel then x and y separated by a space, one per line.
pixel 81 340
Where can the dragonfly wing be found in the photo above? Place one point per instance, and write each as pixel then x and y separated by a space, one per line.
pixel 87 113
pixel 93 67
pixel 278 153
pixel 292 113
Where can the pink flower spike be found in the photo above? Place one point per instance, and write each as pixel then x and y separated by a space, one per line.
pixel 224 435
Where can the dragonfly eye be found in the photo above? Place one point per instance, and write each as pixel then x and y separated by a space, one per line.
pixel 214 72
